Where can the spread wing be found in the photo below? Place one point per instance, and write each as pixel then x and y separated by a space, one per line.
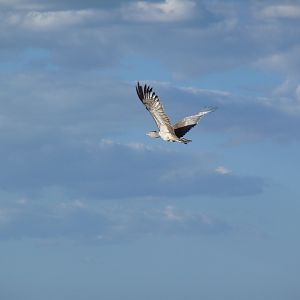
pixel 154 106
pixel 187 123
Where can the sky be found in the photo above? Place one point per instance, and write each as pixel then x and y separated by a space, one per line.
pixel 92 208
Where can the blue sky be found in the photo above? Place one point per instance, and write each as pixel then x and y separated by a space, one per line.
pixel 92 208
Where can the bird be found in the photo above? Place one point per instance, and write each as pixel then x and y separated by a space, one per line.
pixel 167 131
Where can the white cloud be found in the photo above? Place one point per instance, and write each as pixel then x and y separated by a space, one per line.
pixel 285 97
pixel 197 91
pixel 134 146
pixel 183 172
pixel 56 18
pixel 281 11
pixel 22 5
pixel 49 20
pixel 222 170
pixel 283 88
pixel 171 214
pixel 283 61
pixel 167 11
pixel 103 222
pixel 75 204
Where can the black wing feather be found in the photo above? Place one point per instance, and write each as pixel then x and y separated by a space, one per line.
pixel 154 106
pixel 181 131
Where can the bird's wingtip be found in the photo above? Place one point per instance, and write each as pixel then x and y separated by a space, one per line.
pixel 212 108
pixel 207 110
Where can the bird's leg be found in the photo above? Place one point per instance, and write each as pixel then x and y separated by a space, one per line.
pixel 185 141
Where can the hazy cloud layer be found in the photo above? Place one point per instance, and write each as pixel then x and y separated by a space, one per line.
pixel 77 170
pixel 70 121
pixel 195 38
pixel 97 170
pixel 83 220
pixel 63 132
pixel 212 35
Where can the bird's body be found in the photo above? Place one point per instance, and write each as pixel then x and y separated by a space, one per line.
pixel 169 136
pixel 167 132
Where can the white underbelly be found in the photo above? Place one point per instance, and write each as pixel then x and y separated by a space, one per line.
pixel 166 136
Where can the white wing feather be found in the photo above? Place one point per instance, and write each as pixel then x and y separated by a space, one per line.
pixel 154 106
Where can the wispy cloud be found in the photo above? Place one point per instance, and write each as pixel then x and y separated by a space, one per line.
pixel 241 116
pixel 222 170
pixel 73 220
pixel 64 134
pixel 281 11
pixel 93 36
pixel 49 20
pixel 165 11
pixel 95 173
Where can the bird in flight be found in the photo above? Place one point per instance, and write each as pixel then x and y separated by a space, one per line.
pixel 166 131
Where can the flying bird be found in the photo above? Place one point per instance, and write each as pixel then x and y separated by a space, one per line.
pixel 167 131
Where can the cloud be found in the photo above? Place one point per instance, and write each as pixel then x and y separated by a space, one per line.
pixel 213 36
pixel 44 5
pixel 245 119
pixel 64 116
pixel 82 108
pixel 281 11
pixel 286 97
pixel 93 38
pixel 94 171
pixel 171 215
pixel 74 39
pixel 36 20
pixel 222 170
pixel 54 220
pixel 70 130
pixel 67 132
pixel 166 11
pixel 41 220
pixel 199 221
